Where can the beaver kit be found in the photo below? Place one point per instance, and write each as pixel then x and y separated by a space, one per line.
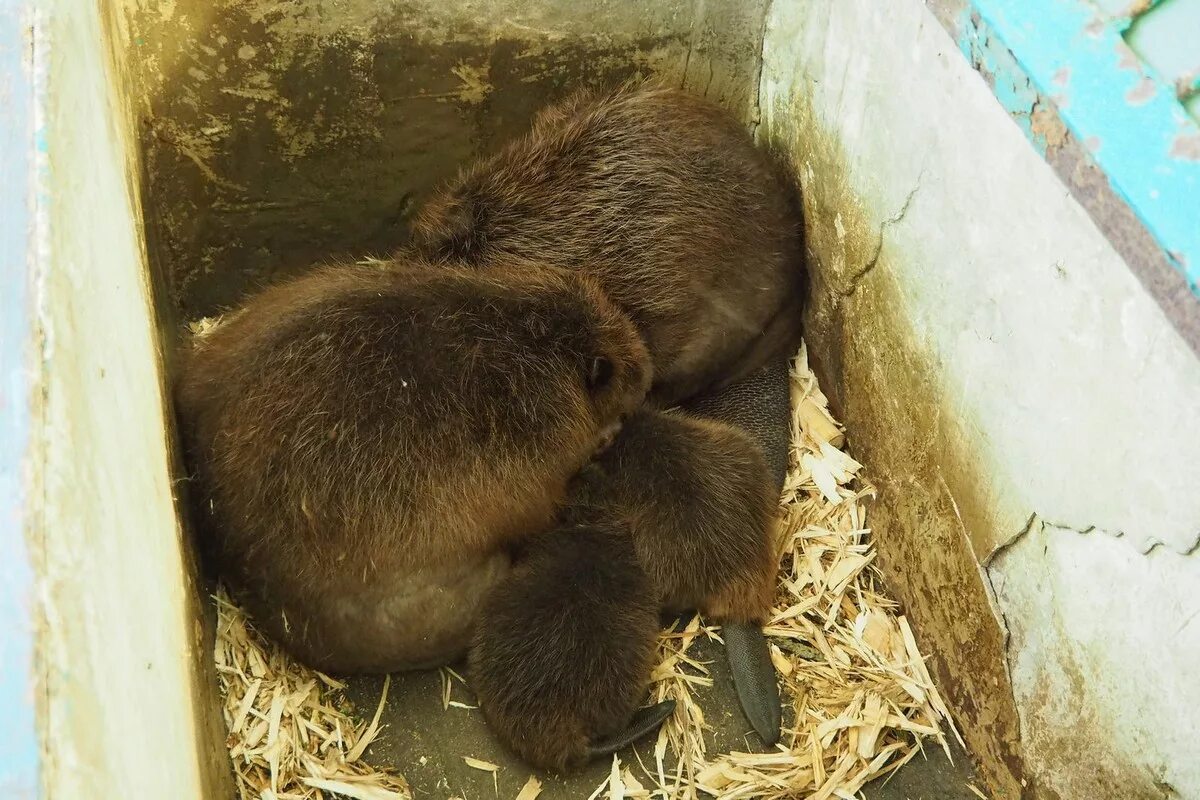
pixel 456 451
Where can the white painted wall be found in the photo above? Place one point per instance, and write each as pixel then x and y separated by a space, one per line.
pixel 1070 387
pixel 117 644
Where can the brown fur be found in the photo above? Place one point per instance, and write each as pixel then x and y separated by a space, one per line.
pixel 677 511
pixel 699 501
pixel 565 644
pixel 367 441
pixel 663 198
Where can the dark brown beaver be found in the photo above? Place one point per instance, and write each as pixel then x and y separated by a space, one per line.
pixel 564 648
pixel 663 198
pixel 677 513
pixel 698 498
pixel 367 440
pixel 760 406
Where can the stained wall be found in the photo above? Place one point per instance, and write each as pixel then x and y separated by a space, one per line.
pixel 1029 412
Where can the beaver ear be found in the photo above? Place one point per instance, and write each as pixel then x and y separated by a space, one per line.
pixel 600 373
pixel 456 229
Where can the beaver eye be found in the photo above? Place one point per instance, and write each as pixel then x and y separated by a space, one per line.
pixel 600 373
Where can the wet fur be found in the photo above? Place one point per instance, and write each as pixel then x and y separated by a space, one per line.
pixel 662 197
pixel 367 442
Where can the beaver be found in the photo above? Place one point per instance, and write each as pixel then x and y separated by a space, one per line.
pixel 564 648
pixel 676 513
pixel 663 198
pixel 760 406
pixel 368 441
pixel 701 497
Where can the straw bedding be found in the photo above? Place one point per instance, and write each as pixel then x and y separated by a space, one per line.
pixel 861 701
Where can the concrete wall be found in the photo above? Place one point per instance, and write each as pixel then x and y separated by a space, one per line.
pixel 167 157
pixel 126 708
pixel 1028 411
pixel 276 134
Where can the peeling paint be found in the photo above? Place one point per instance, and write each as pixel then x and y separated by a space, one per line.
pixel 1012 87
pixel 1142 93
pixel 1186 146
pixel 1164 272
pixel 1111 96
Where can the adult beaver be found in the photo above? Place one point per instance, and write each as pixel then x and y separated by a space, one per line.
pixel 368 441
pixel 661 197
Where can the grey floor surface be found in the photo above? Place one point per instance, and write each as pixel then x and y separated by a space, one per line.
pixel 428 744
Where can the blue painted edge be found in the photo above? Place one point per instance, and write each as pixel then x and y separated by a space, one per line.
pixel 1131 121
pixel 19 748
pixel 1124 22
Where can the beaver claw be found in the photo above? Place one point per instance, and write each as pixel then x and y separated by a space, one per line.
pixel 643 722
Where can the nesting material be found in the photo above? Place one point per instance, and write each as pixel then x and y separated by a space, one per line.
pixel 861 697
pixel 862 701
pixel 289 737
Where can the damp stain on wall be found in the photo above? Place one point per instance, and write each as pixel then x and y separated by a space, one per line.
pixel 276 135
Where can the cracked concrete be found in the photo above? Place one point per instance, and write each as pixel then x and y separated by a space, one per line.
pixel 856 278
pixel 1084 654
pixel 999 359
pixel 1144 546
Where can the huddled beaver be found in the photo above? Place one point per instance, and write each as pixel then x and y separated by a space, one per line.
pixel 368 441
pixel 677 513
pixel 663 198
pixel 565 645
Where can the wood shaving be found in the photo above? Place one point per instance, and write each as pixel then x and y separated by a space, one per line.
pixel 289 736
pixel 861 699
pixel 531 789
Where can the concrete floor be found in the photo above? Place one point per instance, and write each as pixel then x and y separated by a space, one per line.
pixel 428 744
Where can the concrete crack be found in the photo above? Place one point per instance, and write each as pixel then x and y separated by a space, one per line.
pixel 1148 547
pixel 1010 541
pixel 1187 621
pixel 756 111
pixel 894 219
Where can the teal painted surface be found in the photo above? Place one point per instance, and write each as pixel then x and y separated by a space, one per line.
pixel 1011 86
pixel 1122 13
pixel 18 740
pixel 1128 117
pixel 1167 39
